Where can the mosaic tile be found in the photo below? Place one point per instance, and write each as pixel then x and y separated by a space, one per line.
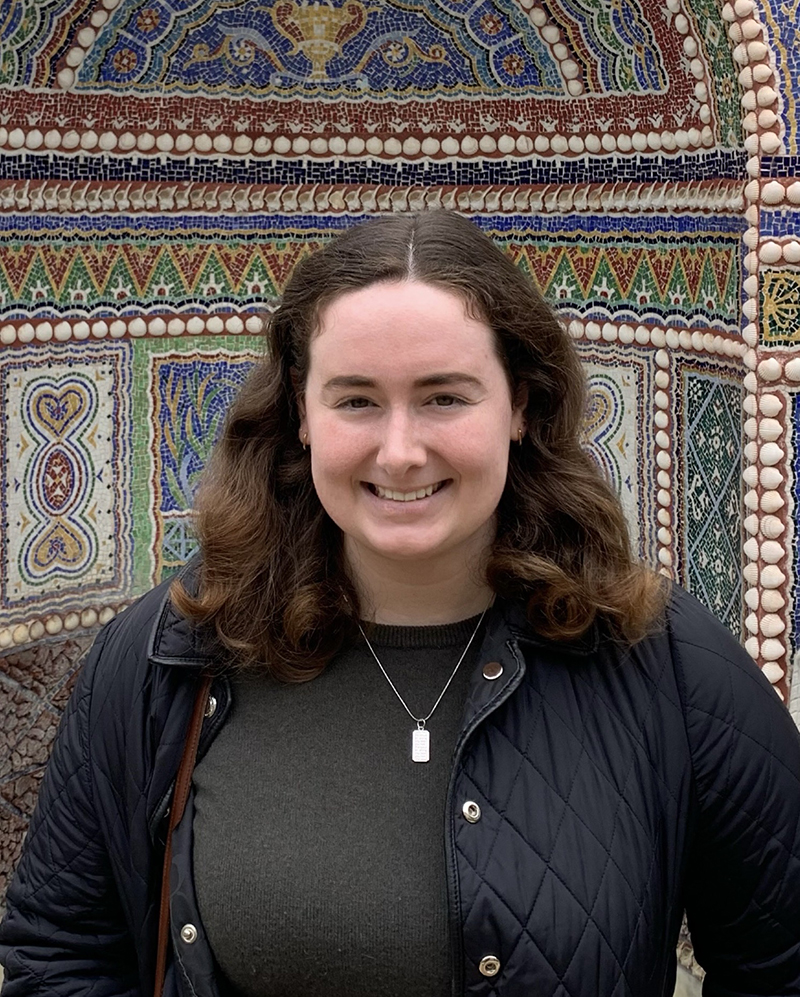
pixel 780 307
pixel 684 271
pixel 189 396
pixel 616 434
pixel 708 504
pixel 65 492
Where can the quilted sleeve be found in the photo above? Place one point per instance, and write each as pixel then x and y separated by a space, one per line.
pixel 65 932
pixel 743 878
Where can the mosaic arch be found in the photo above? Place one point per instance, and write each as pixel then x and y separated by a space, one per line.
pixel 165 163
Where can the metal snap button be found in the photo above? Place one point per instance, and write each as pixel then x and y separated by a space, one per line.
pixel 211 706
pixel 189 934
pixel 471 811
pixel 492 670
pixel 489 965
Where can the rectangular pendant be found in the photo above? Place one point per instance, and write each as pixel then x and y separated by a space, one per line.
pixel 421 746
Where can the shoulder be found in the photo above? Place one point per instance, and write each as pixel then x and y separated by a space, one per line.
pixel 709 660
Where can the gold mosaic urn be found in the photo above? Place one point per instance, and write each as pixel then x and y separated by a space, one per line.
pixel 318 30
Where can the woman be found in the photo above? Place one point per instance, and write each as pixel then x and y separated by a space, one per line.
pixel 457 740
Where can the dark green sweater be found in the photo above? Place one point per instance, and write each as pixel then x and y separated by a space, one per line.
pixel 319 844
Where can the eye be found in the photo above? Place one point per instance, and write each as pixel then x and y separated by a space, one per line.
pixel 354 403
pixel 447 401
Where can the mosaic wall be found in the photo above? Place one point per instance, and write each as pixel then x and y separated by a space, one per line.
pixel 165 163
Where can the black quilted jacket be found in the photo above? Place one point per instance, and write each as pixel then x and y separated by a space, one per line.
pixel 616 788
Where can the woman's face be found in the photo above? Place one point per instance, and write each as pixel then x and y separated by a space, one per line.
pixel 409 418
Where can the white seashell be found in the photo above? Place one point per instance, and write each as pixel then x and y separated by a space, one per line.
pixel 100 329
pixel 772 600
pixel 769 370
pixel 234 324
pixel 750 309
pixel 769 429
pixel 772 649
pixel 751 29
pixel 176 326
pixel 766 96
pixel 757 51
pixel 751 646
pixel 772 672
pixel 773 192
pixel 184 142
pixel 319 145
pixel 751 524
pixel 662 379
pixel 751 622
pixel 664 536
pixel 749 381
pixel 157 326
pixel 770 454
pixel 117 329
pixel 751 549
pixel 771 577
pixel 762 73
pixel 769 143
pixel 750 573
pixel 392 146
pixel 770 478
pixel 663 460
pixel 750 284
pixel 53 624
pixel 106 615
pixel 772 551
pixel 771 527
pixel 750 476
pixel 663 497
pixel 793 192
pixel 791 251
pixel 750 428
pixel 751 451
pixel 88 618
pixel 767 118
pixel 165 142
pixel 665 557
pixel 751 499
pixel 771 501
pixel 770 405
pixel 751 598
pixel 215 324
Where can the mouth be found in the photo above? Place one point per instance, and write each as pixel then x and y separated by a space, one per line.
pixel 393 495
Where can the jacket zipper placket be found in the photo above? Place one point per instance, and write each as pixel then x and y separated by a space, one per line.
pixel 453 893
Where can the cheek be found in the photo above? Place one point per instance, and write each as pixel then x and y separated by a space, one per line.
pixel 337 451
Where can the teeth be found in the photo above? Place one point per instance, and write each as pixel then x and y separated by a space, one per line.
pixel 388 493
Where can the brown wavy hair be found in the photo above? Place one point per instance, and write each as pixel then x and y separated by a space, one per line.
pixel 273 582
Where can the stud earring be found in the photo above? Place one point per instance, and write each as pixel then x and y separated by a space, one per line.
pixel 519 435
pixel 305 441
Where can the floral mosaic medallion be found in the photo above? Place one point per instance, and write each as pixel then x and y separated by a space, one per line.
pixel 708 501
pixel 615 434
pixel 65 491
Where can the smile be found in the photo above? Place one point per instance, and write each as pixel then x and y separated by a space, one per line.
pixel 395 496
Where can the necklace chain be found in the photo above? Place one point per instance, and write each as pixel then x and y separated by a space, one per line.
pixel 421 721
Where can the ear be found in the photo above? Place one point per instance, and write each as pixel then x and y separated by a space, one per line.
pixel 519 405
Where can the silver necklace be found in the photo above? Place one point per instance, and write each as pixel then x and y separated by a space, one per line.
pixel 421 737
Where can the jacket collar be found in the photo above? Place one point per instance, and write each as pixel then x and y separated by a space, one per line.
pixel 176 641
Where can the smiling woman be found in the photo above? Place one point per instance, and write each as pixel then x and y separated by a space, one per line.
pixel 522 754
pixel 409 353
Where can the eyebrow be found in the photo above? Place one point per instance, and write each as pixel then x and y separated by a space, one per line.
pixel 431 381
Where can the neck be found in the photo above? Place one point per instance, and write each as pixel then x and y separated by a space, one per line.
pixel 418 593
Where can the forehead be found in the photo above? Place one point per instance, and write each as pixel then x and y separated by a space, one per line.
pixel 395 326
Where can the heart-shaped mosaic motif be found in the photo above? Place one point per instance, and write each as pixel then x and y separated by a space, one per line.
pixel 62 545
pixel 59 410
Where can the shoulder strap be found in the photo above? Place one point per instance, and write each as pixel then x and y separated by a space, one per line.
pixel 182 784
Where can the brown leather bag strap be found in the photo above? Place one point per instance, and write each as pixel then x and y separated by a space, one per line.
pixel 179 797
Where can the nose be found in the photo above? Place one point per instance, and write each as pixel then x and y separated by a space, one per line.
pixel 401 446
